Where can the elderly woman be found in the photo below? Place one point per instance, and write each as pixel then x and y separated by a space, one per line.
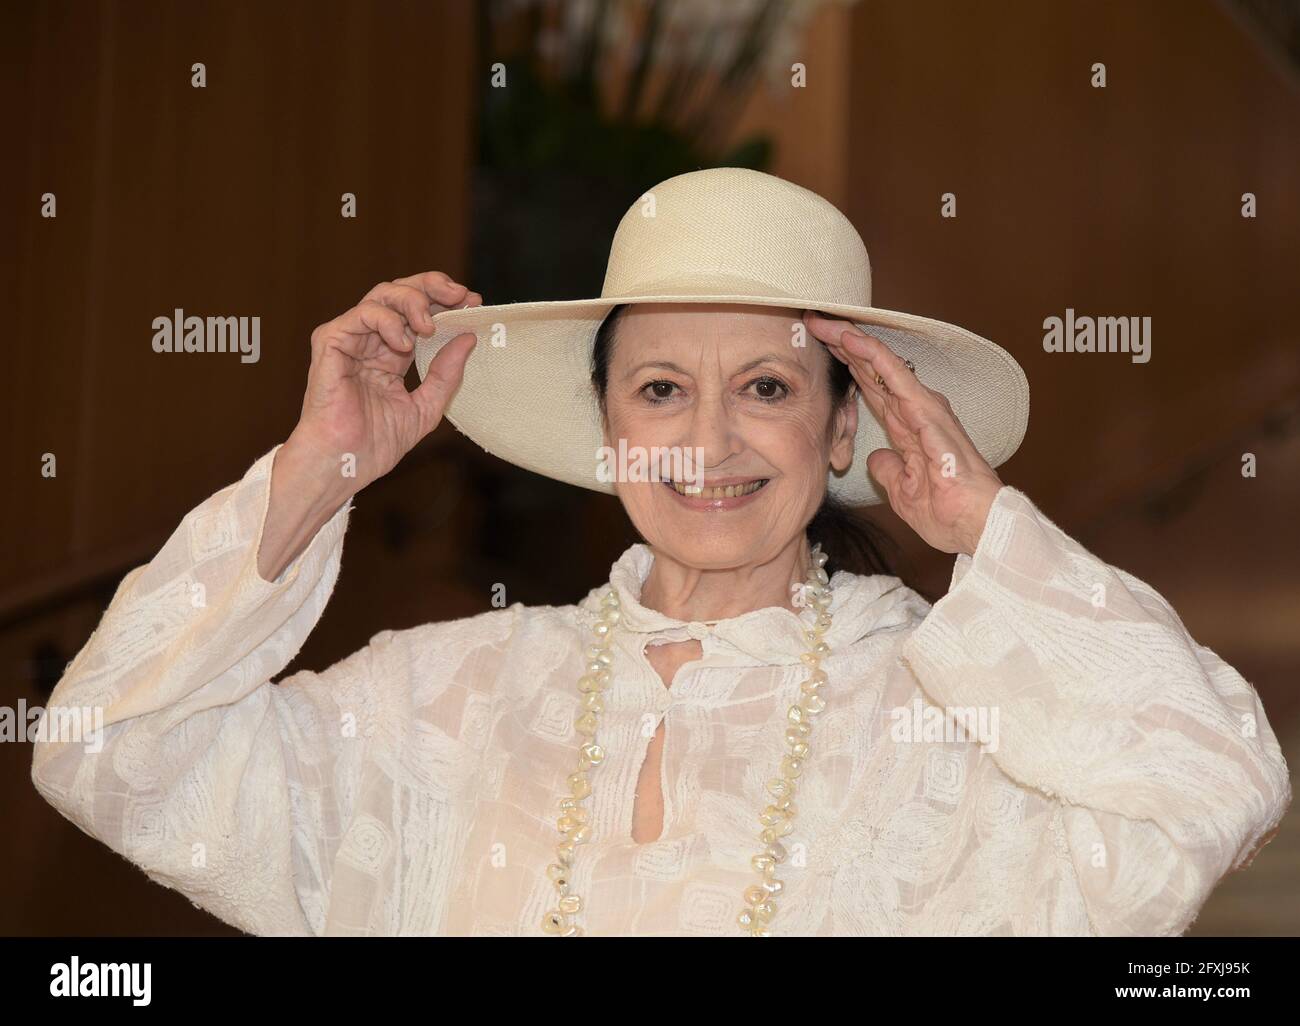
pixel 739 732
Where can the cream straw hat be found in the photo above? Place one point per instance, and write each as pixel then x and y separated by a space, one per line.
pixel 722 235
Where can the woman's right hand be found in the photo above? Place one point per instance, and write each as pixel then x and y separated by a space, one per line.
pixel 358 419
pixel 357 414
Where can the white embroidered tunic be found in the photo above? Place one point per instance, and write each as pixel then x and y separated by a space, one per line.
pixel 410 788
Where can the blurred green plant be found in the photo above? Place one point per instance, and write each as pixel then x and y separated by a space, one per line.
pixel 601 100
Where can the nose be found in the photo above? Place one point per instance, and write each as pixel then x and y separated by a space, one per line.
pixel 713 428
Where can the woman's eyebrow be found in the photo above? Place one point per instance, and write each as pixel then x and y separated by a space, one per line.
pixel 794 365
pixel 660 364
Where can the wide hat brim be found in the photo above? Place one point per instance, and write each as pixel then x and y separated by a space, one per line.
pixel 527 395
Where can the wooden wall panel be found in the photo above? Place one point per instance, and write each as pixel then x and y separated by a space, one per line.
pixel 220 201
pixel 1118 201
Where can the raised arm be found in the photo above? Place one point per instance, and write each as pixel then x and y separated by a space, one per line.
pixel 213 780
pixel 1163 768
pixel 190 774
pixel 1157 764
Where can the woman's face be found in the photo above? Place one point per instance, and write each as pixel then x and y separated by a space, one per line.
pixel 747 391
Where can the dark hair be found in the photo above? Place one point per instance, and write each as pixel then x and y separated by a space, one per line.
pixel 850 541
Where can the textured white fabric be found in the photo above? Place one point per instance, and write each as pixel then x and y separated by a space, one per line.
pixel 409 789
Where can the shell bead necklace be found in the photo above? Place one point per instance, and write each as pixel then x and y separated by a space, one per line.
pixel 776 819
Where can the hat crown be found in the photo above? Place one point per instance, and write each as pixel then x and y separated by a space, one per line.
pixel 736 231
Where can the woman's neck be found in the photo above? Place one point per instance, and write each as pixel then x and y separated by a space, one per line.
pixel 688 593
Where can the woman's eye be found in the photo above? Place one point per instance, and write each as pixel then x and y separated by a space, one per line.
pixel 770 389
pixel 658 391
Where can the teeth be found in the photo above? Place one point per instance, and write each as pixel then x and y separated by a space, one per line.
pixel 726 492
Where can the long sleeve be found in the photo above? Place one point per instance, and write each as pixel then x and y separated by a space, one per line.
pixel 211 779
pixel 1162 769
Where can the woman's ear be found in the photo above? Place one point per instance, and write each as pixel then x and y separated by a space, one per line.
pixel 845 431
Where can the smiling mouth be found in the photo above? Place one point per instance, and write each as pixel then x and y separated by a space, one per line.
pixel 722 492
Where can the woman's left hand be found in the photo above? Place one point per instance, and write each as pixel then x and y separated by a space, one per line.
pixel 935 478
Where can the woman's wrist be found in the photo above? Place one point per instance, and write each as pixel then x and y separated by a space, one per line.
pixel 307 488
pixel 319 475
pixel 974 530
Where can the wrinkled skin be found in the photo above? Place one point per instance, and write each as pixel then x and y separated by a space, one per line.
pixel 773 420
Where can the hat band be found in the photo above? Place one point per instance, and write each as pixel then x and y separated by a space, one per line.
pixel 714 284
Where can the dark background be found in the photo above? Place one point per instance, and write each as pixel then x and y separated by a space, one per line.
pixel 225 200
